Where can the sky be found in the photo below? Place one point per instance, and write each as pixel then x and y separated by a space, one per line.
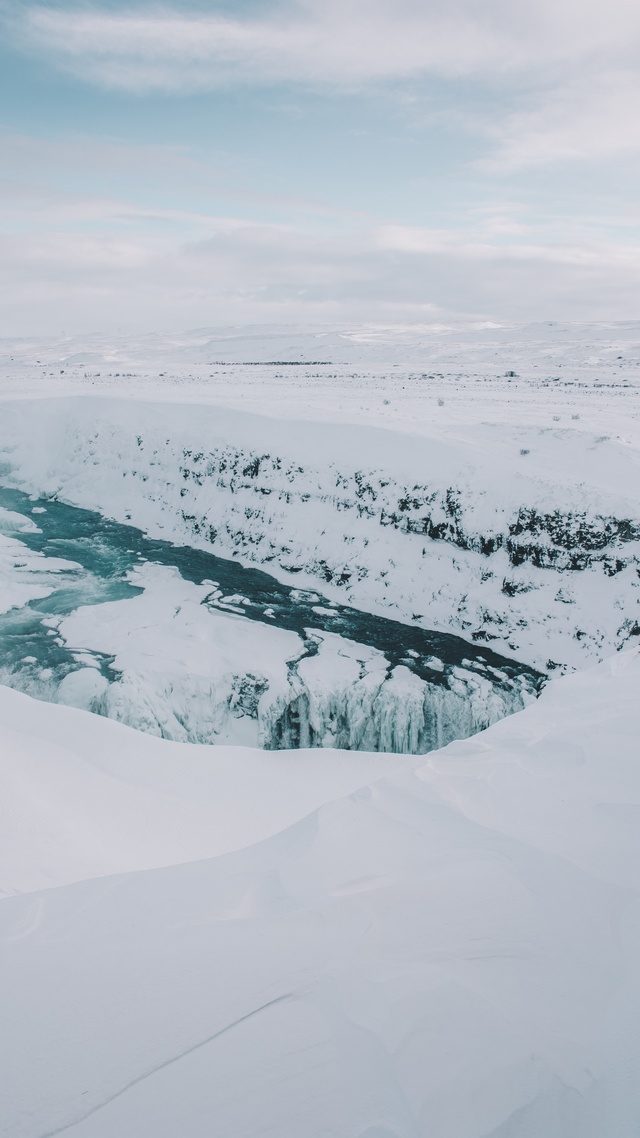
pixel 313 161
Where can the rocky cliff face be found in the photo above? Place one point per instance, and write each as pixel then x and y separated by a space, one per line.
pixel 546 540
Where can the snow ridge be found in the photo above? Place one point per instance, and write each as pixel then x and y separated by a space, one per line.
pixel 451 949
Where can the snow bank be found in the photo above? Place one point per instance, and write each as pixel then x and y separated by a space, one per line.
pixel 83 797
pixel 534 549
pixel 451 951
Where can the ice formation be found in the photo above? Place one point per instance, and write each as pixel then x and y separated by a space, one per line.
pixel 192 673
pixel 189 662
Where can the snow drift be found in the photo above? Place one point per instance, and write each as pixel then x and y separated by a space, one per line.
pixel 83 796
pixel 451 950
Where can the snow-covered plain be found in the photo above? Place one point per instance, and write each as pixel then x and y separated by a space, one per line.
pixel 451 950
pixel 215 940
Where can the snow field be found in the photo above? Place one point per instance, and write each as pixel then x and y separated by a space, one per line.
pixel 83 796
pixel 451 949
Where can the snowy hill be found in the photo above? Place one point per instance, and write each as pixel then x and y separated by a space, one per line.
pixel 450 950
pixel 84 797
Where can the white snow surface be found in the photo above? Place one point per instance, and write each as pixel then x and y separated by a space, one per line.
pixel 83 796
pixel 452 950
pixel 392 468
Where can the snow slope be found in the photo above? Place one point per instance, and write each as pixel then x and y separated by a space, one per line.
pixel 83 796
pixel 449 952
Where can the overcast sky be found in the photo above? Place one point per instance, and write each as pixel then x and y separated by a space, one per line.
pixel 318 160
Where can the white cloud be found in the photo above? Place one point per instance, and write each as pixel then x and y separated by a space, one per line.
pixel 251 273
pixel 328 41
pixel 342 43
pixel 565 75
pixel 104 233
pixel 592 117
pixel 35 168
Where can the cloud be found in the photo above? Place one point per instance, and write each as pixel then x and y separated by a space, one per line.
pixel 563 76
pixel 593 117
pixel 102 233
pixel 78 257
pixel 264 273
pixel 51 182
pixel 345 42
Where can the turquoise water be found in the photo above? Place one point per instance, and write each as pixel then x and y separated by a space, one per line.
pixel 106 551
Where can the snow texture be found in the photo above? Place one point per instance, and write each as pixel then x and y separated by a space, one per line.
pixel 84 797
pixel 451 950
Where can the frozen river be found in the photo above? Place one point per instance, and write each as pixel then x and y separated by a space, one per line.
pixel 99 562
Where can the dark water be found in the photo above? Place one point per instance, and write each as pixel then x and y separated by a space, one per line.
pixel 107 551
